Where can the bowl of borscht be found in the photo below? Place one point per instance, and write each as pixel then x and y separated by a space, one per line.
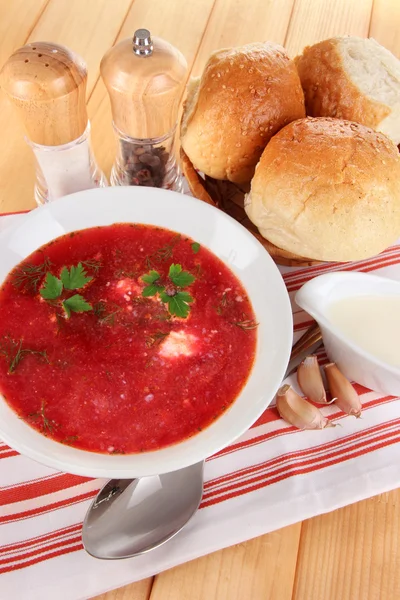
pixel 141 331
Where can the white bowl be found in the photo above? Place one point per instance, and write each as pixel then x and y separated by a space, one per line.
pixel 357 364
pixel 233 244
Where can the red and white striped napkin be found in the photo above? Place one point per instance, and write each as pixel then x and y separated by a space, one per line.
pixel 271 477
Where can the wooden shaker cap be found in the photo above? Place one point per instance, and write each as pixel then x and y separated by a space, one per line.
pixel 145 90
pixel 47 85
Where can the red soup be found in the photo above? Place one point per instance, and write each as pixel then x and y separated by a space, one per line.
pixel 122 339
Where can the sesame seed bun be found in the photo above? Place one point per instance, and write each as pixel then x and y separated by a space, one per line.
pixel 327 189
pixel 243 98
pixel 355 79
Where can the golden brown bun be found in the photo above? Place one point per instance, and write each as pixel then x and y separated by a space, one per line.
pixel 327 189
pixel 243 98
pixel 229 197
pixel 355 79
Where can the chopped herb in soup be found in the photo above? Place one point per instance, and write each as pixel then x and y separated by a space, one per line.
pixel 123 339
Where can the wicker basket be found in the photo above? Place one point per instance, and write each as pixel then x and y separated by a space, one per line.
pixel 229 197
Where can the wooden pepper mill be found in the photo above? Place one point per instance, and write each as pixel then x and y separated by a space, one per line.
pixel 47 85
pixel 145 78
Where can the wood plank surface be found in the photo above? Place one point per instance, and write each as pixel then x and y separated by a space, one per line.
pixel 140 590
pixel 185 33
pixel 322 570
pixel 385 24
pixel 269 20
pixel 259 21
pixel 18 18
pixel 256 570
pixel 315 20
pixel 352 553
pixel 88 27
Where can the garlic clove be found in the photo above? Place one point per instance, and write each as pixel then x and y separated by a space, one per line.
pixel 342 391
pixel 298 412
pixel 310 380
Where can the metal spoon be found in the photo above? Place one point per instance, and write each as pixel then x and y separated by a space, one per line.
pixel 309 342
pixel 130 517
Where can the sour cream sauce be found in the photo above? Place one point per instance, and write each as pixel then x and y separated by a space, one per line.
pixel 372 322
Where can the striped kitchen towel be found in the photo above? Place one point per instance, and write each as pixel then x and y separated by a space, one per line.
pixel 274 475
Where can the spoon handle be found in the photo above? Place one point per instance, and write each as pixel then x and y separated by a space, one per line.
pixel 308 339
pixel 312 338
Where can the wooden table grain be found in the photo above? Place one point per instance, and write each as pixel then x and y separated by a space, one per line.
pixel 352 553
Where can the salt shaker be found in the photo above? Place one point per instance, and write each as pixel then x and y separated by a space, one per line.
pixel 145 77
pixel 47 84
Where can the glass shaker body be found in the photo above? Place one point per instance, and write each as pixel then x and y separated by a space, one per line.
pixel 146 162
pixel 65 169
pixel 46 83
pixel 145 78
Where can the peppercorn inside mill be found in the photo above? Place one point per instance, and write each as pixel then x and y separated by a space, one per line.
pixel 145 78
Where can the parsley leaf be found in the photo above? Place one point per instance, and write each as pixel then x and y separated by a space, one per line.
pixel 180 278
pixel 76 303
pixel 195 247
pixel 151 277
pixel 176 300
pixel 178 304
pixel 70 279
pixel 152 290
pixel 52 288
pixel 75 278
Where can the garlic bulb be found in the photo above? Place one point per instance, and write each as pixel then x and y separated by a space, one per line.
pixel 298 412
pixel 342 391
pixel 310 380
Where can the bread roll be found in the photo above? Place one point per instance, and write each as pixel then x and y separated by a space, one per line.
pixel 243 98
pixel 355 79
pixel 327 189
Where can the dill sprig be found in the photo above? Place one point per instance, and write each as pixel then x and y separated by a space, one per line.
pixel 163 253
pixel 70 439
pixel 222 304
pixel 164 316
pixel 28 276
pixel 92 264
pixel 101 311
pixel 197 271
pixel 47 425
pixel 138 300
pixel 246 324
pixel 13 352
pixel 123 273
pixel 156 338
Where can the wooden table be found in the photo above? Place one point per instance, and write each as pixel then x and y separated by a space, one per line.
pixel 352 553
